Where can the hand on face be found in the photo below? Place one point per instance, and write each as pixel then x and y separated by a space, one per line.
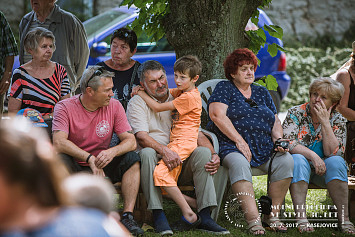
pixel 321 111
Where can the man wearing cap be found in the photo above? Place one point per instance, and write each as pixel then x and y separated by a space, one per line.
pixel 82 129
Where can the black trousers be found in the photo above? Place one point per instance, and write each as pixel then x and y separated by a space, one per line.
pixel 114 170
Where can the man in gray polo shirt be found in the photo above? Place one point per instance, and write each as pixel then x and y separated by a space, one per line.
pixel 152 131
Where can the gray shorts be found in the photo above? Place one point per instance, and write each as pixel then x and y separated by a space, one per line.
pixel 239 168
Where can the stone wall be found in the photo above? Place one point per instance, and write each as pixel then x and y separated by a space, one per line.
pixel 306 19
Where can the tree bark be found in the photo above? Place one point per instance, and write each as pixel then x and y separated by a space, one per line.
pixel 209 29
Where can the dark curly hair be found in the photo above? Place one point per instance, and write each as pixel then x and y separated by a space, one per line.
pixel 126 35
pixel 238 58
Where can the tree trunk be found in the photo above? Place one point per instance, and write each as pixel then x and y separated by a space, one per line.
pixel 209 29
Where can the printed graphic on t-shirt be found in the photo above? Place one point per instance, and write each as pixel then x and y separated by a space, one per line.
pixel 175 117
pixel 102 128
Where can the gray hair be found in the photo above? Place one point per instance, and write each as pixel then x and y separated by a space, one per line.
pixel 150 65
pixel 333 88
pixel 90 191
pixel 34 37
pixel 94 82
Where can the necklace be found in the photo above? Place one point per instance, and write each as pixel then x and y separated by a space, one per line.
pixel 84 105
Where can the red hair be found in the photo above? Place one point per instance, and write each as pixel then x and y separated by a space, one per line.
pixel 238 58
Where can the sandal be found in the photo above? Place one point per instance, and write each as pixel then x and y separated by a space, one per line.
pixel 347 228
pixel 303 226
pixel 255 228
pixel 274 224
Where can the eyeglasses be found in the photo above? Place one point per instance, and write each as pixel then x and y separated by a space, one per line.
pixel 98 72
pixel 252 103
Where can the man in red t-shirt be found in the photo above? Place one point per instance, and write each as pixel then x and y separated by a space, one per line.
pixel 82 130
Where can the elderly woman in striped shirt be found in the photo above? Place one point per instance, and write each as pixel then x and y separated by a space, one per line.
pixel 40 83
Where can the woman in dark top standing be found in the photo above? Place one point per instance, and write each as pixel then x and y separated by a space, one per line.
pixel 346 107
pixel 123 47
pixel 245 122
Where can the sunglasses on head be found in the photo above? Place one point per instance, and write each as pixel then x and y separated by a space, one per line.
pixel 122 34
pixel 252 103
pixel 98 72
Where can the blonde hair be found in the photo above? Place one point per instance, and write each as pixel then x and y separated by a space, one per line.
pixel 333 88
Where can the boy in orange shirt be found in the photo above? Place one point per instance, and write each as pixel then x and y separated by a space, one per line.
pixel 186 112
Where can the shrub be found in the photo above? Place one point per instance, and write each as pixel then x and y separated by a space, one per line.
pixel 304 64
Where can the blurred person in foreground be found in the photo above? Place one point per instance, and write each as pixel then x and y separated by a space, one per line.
pixel 8 49
pixel 72 47
pixel 96 192
pixel 346 76
pixel 40 83
pixel 82 130
pixel 244 119
pixel 317 134
pixel 32 200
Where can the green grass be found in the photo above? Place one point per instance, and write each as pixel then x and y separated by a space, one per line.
pixel 315 197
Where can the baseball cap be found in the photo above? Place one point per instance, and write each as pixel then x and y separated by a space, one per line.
pixel 34 116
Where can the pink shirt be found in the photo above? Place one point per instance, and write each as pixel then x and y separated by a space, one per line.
pixel 91 131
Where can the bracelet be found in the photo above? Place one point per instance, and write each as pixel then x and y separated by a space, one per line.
pixel 87 159
pixel 214 153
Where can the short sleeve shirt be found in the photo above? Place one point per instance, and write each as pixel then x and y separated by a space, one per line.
pixel 91 131
pixel 253 124
pixel 187 116
pixel 144 119
pixel 40 94
pixel 298 128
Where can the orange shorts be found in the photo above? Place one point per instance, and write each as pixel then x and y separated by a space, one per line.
pixel 162 175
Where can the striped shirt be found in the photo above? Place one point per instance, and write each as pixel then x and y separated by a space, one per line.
pixel 8 46
pixel 40 94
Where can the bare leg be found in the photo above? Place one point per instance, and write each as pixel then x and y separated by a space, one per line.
pixel 298 193
pixel 277 193
pixel 338 191
pixel 248 203
pixel 178 198
pixel 190 200
pixel 130 187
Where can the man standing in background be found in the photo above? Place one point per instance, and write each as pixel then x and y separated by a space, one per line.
pixel 8 49
pixel 72 50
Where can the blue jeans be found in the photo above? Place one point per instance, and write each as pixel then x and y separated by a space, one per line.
pixel 336 169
